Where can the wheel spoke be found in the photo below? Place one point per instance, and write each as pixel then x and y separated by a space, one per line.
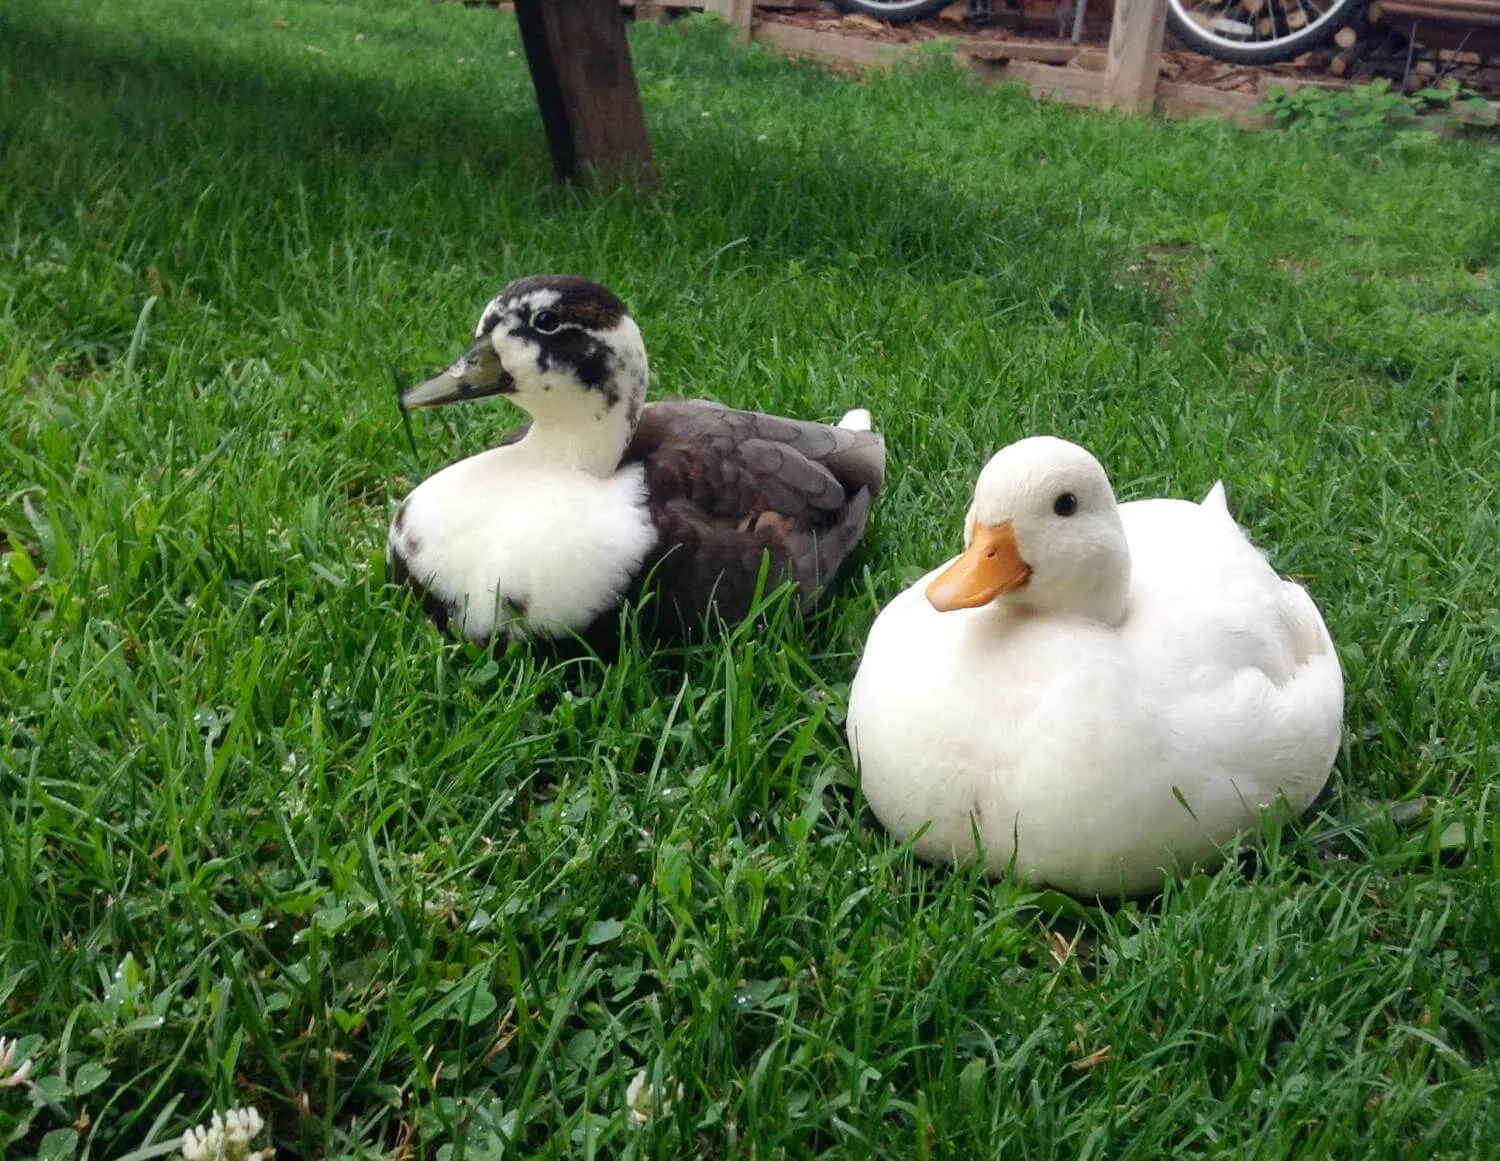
pixel 1257 31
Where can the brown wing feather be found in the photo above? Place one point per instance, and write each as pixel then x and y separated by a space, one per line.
pixel 727 488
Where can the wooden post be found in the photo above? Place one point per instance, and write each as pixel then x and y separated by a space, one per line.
pixel 1134 55
pixel 585 87
pixel 737 12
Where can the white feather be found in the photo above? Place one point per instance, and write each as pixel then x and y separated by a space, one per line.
pixel 500 531
pixel 856 420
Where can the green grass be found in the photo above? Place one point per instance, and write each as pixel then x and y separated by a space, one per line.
pixel 267 839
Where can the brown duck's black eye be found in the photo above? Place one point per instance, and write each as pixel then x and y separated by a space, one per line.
pixel 546 322
pixel 1066 504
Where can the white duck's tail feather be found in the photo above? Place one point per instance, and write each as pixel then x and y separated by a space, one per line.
pixel 856 420
pixel 1216 500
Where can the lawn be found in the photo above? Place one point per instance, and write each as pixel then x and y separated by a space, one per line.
pixel 267 839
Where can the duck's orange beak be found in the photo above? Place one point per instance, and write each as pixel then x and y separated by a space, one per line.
pixel 991 565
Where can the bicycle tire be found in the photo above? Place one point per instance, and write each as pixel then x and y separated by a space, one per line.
pixel 1281 43
pixel 893 11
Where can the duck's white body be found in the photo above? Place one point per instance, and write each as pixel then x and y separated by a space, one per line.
pixel 1091 756
pixel 551 564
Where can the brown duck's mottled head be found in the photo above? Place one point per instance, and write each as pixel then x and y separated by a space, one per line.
pixel 557 346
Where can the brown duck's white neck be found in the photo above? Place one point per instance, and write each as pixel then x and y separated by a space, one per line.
pixel 590 441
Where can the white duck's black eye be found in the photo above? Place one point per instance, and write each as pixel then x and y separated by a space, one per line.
pixel 546 322
pixel 1066 504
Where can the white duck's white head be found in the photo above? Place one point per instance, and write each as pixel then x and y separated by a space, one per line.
pixel 566 351
pixel 1043 535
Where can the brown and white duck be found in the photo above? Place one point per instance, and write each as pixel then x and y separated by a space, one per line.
pixel 603 498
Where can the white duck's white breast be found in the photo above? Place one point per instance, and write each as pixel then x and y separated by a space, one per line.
pixel 501 539
pixel 1068 743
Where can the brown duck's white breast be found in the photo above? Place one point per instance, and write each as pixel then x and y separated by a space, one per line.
pixel 499 539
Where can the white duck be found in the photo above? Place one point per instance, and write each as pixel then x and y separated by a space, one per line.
pixel 1102 692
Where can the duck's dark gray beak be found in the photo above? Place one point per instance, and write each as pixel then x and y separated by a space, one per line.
pixel 476 374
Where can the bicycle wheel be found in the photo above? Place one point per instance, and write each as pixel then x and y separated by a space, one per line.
pixel 1257 31
pixel 893 11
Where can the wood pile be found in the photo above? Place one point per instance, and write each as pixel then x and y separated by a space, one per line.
pixel 1465 13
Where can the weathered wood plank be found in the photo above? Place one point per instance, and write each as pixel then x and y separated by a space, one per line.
pixel 737 12
pixel 1134 55
pixel 741 17
pixel 1470 12
pixel 1291 84
pixel 1084 88
pixel 853 51
pixel 1075 86
pixel 1000 50
pixel 585 87
pixel 1182 101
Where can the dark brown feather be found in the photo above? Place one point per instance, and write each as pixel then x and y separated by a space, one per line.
pixel 728 488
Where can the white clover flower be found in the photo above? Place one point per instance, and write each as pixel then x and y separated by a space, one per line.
pixel 226 1138
pixel 9 1079
pixel 642 1103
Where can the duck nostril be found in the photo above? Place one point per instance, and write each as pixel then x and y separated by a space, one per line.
pixel 989 554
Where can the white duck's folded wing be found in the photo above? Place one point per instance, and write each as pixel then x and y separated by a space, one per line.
pixel 1240 657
